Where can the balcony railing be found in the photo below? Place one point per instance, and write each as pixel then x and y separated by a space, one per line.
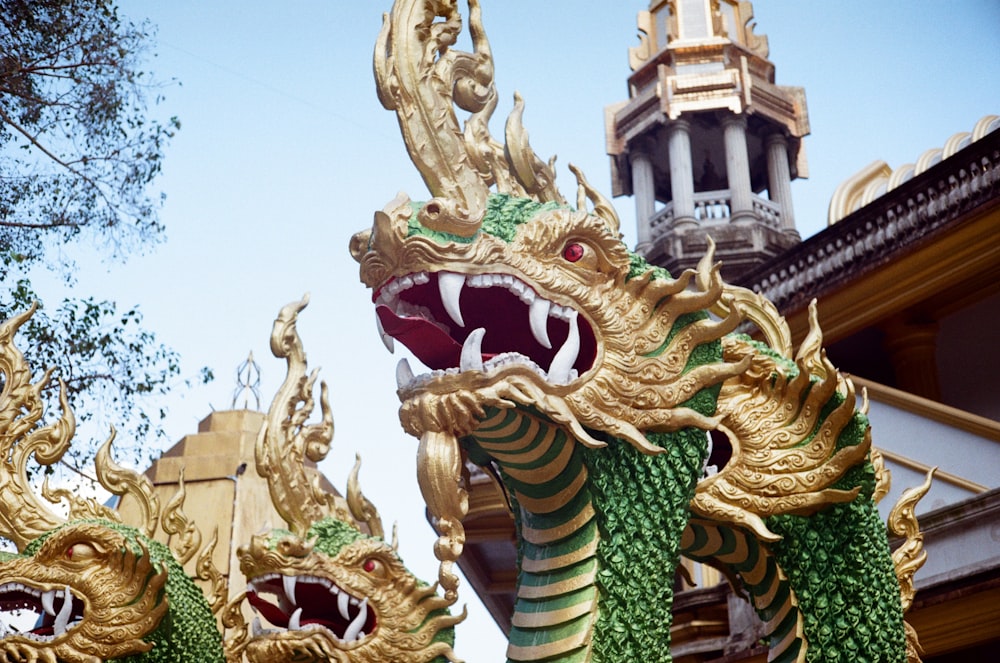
pixel 714 208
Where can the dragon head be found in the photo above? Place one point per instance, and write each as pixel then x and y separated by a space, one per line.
pixel 541 305
pixel 102 590
pixel 95 587
pixel 340 595
pixel 329 586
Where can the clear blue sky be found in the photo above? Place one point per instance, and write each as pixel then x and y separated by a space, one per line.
pixel 284 152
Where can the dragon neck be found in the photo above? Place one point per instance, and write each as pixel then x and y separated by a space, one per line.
pixel 598 534
pixel 188 631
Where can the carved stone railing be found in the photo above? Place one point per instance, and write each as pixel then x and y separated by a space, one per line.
pixel 767 211
pixel 888 225
pixel 714 208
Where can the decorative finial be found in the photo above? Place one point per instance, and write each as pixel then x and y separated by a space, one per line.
pixel 247 384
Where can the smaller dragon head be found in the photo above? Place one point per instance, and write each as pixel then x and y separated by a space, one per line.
pixel 329 586
pixel 96 588
pixel 102 590
pixel 340 595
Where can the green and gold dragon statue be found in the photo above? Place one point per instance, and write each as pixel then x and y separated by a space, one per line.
pixel 101 590
pixel 330 586
pixel 590 381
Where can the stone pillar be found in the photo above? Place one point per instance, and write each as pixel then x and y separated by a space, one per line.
pixel 779 179
pixel 681 173
pixel 644 190
pixel 738 168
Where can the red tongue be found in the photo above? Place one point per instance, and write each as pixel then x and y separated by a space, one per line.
pixel 426 340
pixel 270 611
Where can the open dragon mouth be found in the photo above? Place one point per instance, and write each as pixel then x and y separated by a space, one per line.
pixel 56 610
pixel 495 321
pixel 310 602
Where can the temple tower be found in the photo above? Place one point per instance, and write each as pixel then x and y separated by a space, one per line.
pixel 704 133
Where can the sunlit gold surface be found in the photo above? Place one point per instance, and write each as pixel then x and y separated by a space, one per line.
pixel 784 460
pixel 286 440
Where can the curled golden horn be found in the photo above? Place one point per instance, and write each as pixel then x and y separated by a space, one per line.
pixel 185 537
pixel 121 481
pixel 286 440
pixel 910 556
pixel 602 206
pixel 423 79
pixel 361 509
pixel 749 304
pixel 23 516
pixel 537 177
pixel 419 75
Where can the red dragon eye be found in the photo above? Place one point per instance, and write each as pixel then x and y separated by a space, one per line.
pixel 573 252
pixel 369 565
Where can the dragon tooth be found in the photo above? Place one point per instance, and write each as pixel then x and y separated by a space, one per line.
pixel 450 287
pixel 47 602
pixel 342 600
pixel 387 340
pixel 255 627
pixel 294 622
pixel 562 363
pixel 472 351
pixel 357 623
pixel 538 316
pixel 62 619
pixel 289 582
pixel 404 374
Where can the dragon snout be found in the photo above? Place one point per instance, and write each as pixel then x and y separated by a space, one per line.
pixel 359 243
pixel 447 216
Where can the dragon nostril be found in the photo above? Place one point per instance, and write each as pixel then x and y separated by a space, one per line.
pixel 448 216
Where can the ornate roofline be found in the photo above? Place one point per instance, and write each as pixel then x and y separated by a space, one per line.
pixel 888 228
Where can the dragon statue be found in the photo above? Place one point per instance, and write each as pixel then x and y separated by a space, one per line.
pixel 590 383
pixel 330 586
pixel 101 590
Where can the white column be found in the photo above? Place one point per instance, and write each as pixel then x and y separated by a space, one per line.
pixel 644 190
pixel 779 179
pixel 738 168
pixel 681 172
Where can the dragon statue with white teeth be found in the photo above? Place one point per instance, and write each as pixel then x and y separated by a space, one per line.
pixel 101 590
pixel 330 586
pixel 589 382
